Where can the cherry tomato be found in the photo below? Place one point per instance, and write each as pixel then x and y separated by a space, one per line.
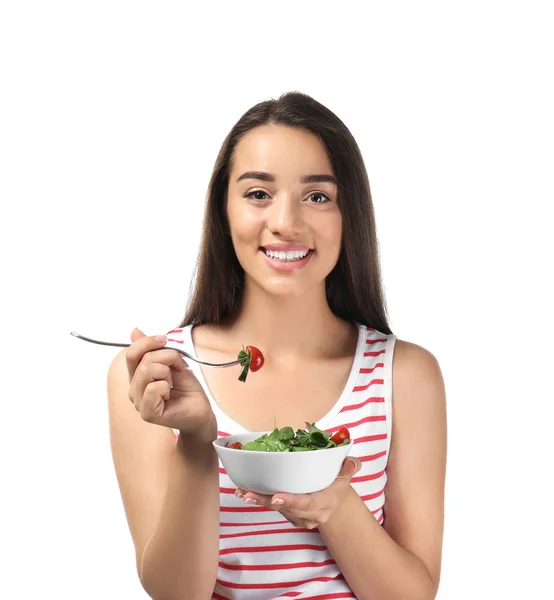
pixel 341 435
pixel 235 445
pixel 257 361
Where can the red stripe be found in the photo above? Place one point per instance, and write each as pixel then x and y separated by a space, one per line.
pixel 366 371
pixel 174 331
pixel 372 496
pixel 272 586
pixel 222 471
pixel 222 434
pixel 381 518
pixel 376 353
pixel 282 548
pixel 362 404
pixel 176 341
pixel 367 477
pixel 227 490
pixel 375 341
pixel 372 456
pixel 370 419
pixel 298 565
pixel 361 388
pixel 268 532
pixel 331 596
pixel 371 438
pixel 289 594
pixel 245 509
pixel 216 596
pixel 262 523
pixel 252 524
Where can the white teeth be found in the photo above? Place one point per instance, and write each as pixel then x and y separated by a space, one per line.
pixel 291 255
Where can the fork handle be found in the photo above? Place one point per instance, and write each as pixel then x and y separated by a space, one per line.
pixel 186 354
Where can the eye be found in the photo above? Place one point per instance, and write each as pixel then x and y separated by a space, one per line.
pixel 325 196
pixel 250 194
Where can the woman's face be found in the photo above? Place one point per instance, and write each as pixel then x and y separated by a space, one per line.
pixel 282 198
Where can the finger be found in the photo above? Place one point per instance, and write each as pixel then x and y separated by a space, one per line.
pixel 145 374
pixel 136 334
pixel 298 518
pixel 166 356
pixel 299 503
pixel 350 466
pixel 152 407
pixel 176 364
pixel 140 346
pixel 170 359
pixel 257 499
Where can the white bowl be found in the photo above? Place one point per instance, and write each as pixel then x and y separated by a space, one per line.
pixel 273 472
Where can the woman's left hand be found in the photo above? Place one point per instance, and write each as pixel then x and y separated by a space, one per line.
pixel 308 510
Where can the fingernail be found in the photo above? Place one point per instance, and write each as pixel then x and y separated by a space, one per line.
pixel 277 501
pixel 239 494
pixel 250 501
pixel 161 338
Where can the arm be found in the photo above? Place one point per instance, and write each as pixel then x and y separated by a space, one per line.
pixel 170 493
pixel 402 560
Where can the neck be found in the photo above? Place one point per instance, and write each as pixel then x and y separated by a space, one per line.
pixel 287 327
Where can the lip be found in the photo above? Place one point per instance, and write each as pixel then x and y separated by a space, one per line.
pixel 286 247
pixel 286 267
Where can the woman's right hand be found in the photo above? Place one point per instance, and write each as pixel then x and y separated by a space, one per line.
pixel 164 391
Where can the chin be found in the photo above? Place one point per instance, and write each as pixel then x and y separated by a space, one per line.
pixel 284 289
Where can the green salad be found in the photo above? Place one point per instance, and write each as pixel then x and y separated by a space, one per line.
pixel 286 440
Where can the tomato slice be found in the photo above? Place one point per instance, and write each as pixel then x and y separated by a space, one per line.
pixel 235 445
pixel 341 435
pixel 257 358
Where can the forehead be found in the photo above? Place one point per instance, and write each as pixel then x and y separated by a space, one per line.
pixel 284 151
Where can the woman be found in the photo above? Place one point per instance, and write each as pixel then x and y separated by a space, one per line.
pixel 289 179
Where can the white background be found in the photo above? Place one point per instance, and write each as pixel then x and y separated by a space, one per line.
pixel 112 114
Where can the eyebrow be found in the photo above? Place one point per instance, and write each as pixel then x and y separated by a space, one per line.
pixel 262 176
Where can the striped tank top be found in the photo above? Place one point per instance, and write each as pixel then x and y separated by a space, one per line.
pixel 262 556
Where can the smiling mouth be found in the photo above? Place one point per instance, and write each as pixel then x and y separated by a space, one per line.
pixel 289 256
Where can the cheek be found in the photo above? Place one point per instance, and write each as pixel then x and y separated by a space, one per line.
pixel 331 233
pixel 245 225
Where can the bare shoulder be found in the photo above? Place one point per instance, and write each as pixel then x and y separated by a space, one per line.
pixel 418 395
pixel 415 365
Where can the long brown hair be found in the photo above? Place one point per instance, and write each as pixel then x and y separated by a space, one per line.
pixel 354 287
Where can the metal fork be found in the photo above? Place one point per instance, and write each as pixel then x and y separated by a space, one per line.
pixel 207 364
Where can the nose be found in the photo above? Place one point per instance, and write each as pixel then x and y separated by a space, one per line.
pixel 285 216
